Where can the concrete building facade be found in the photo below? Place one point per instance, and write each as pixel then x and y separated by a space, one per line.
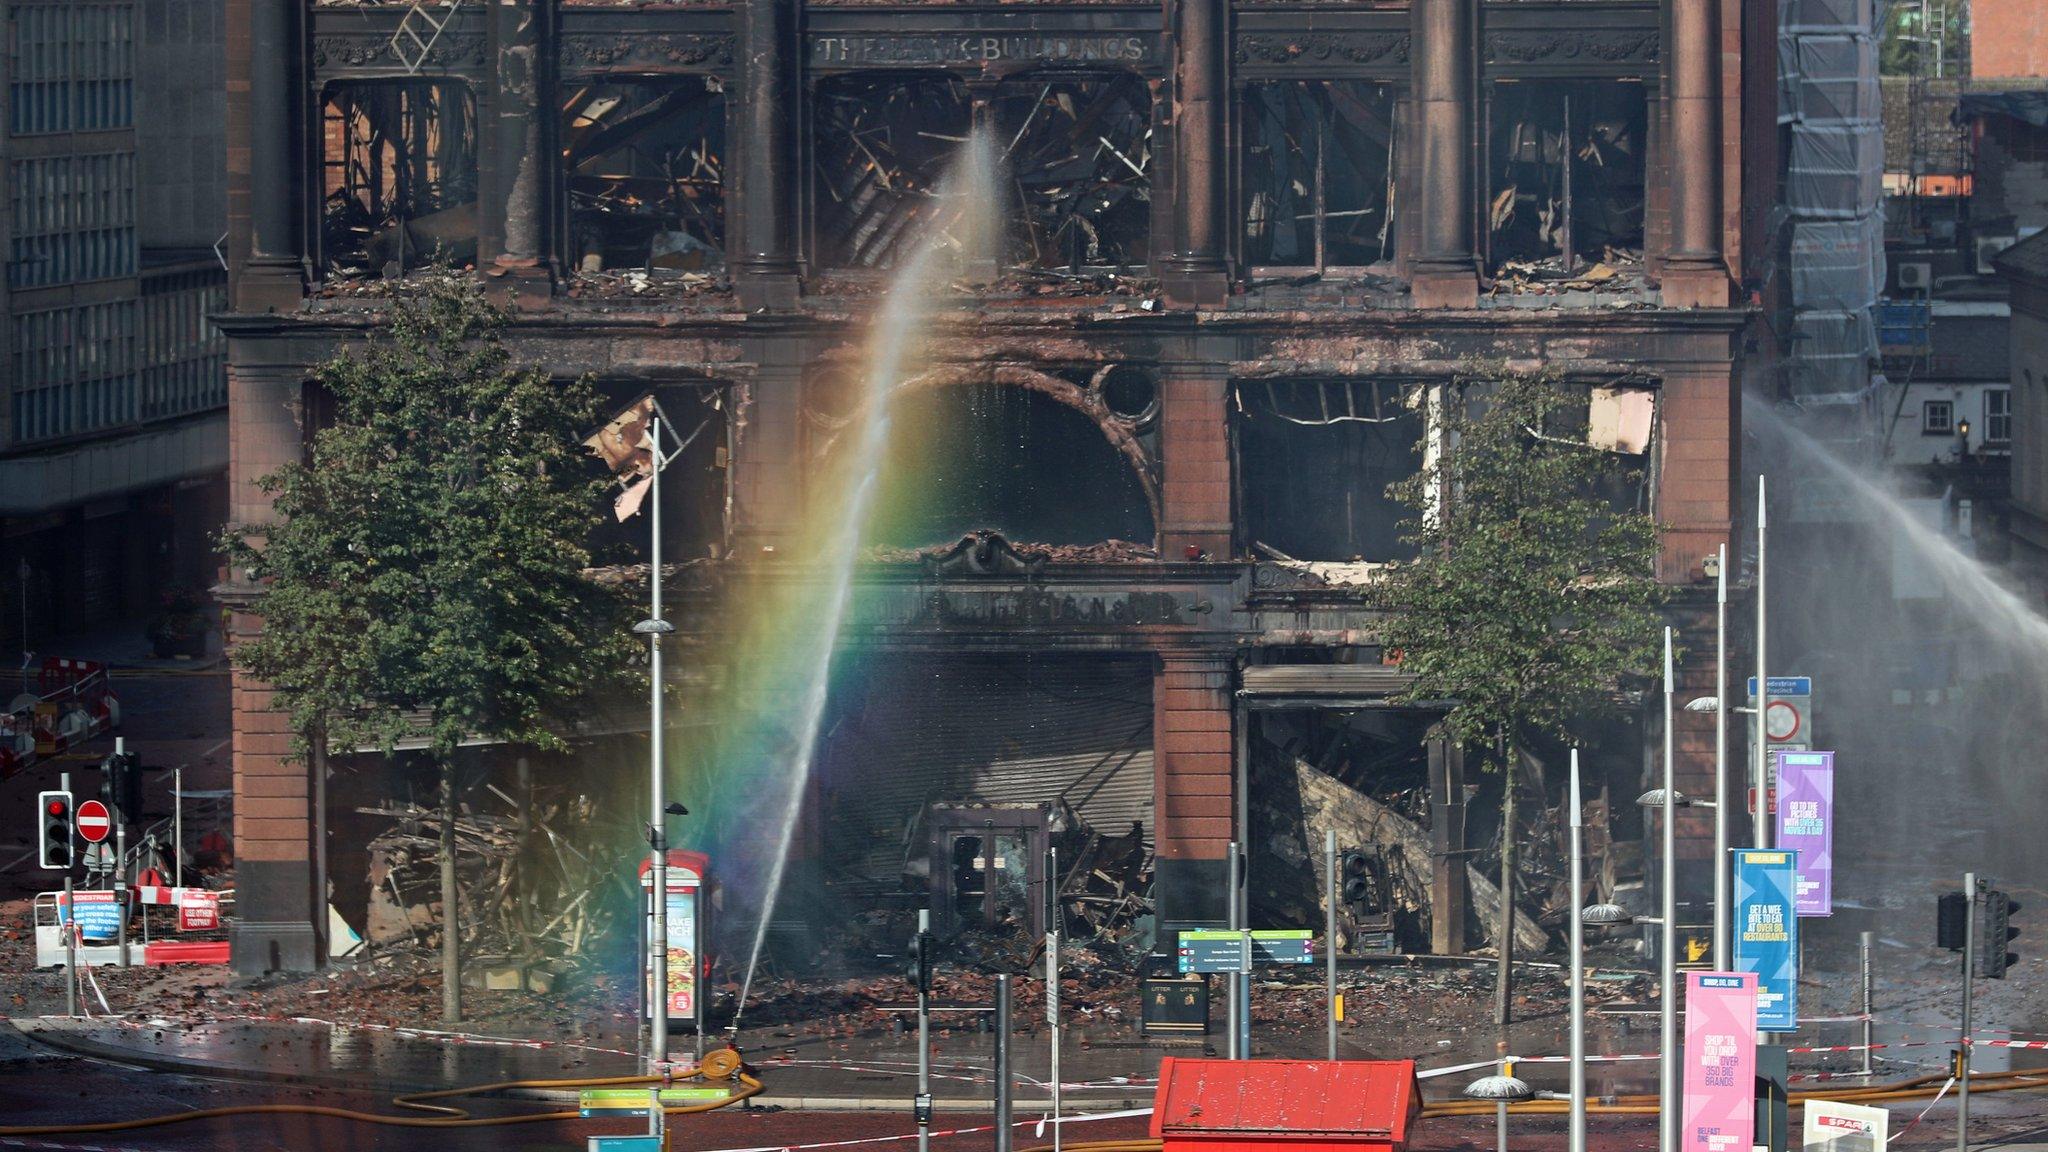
pixel 114 430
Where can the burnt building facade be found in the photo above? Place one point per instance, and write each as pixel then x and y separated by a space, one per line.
pixel 1245 245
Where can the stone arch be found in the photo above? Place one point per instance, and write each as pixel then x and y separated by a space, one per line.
pixel 1121 433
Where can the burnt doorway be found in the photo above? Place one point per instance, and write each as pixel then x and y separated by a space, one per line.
pixel 1325 750
pixel 1044 745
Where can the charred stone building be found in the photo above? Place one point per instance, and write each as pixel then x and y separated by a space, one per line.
pixel 1243 236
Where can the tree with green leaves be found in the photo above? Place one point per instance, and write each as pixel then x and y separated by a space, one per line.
pixel 424 578
pixel 1532 595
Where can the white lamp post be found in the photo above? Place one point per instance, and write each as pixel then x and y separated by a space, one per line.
pixel 1503 1088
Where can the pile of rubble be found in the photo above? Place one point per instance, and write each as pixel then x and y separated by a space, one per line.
pixel 531 901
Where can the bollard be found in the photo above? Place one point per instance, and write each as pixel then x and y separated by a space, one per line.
pixel 1002 1068
pixel 1869 1028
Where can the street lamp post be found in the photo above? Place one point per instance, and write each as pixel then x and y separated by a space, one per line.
pixel 1503 1088
pixel 1576 1137
pixel 654 628
pixel 1667 1081
pixel 1760 824
pixel 1721 953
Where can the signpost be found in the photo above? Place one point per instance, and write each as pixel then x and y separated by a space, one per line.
pixel 1283 946
pixel 1222 950
pixel 630 1102
pixel 94 822
pixel 1832 1127
pixel 1788 725
pixel 1720 1062
pixel 198 910
pixel 1210 950
pixel 1767 934
pixel 94 912
pixel 1806 825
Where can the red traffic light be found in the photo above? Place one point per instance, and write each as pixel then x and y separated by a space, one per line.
pixel 58 808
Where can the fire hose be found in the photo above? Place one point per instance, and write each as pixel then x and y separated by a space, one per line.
pixel 724 1064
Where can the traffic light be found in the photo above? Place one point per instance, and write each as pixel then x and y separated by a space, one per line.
pixel 1994 932
pixel 54 816
pixel 1951 918
pixel 121 785
pixel 921 961
pixel 1359 882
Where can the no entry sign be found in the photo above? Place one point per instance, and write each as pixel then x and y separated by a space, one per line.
pixel 93 821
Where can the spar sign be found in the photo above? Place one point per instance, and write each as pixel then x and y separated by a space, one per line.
pixel 1806 825
pixel 1767 934
pixel 1719 1113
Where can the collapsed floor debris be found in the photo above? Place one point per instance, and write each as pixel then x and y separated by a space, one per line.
pixel 532 902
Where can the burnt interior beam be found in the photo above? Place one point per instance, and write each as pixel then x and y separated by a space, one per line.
pixel 1695 272
pixel 1446 266
pixel 1450 893
pixel 1197 272
pixel 766 273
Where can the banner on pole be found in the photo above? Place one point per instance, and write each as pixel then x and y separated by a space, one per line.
pixel 1767 934
pixel 1720 1062
pixel 1806 825
pixel 1832 1127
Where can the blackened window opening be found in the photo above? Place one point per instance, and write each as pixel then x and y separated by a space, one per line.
pixel 882 146
pixel 1075 150
pixel 1316 174
pixel 1566 173
pixel 988 456
pixel 1077 158
pixel 646 174
pixel 398 176
pixel 1316 458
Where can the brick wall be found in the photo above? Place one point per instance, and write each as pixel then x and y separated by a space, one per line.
pixel 1194 446
pixel 1194 756
pixel 1697 481
pixel 2010 41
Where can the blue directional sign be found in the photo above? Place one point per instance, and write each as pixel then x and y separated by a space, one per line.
pixel 1210 951
pixel 1283 946
pixel 1767 934
pixel 1783 686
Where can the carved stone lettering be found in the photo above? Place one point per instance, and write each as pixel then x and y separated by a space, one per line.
pixel 1608 46
pixel 1324 48
pixel 666 50
pixel 980 48
pixel 373 50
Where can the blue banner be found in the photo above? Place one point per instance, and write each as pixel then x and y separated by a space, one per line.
pixel 1767 934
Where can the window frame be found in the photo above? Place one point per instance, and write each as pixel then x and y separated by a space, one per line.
pixel 1994 421
pixel 1927 425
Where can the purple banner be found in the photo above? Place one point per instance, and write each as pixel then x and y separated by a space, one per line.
pixel 1806 825
pixel 1719 1113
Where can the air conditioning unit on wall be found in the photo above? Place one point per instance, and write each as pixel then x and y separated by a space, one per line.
pixel 1990 246
pixel 1916 276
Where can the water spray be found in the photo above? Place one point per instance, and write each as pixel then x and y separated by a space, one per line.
pixel 946 252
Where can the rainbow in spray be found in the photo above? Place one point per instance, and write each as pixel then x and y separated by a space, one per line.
pixel 752 783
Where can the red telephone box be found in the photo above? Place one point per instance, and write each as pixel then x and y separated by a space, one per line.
pixel 687 931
